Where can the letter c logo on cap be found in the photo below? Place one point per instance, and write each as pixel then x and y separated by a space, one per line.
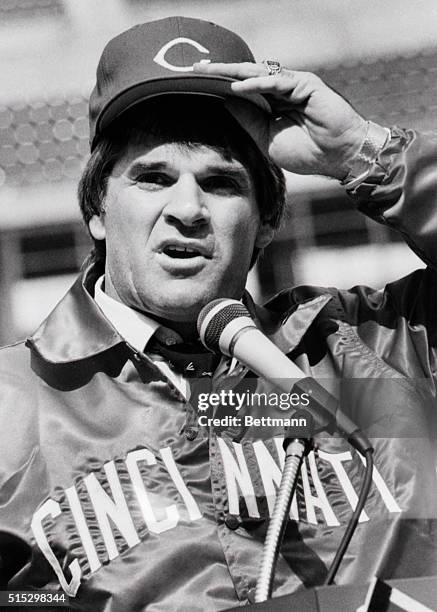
pixel 160 56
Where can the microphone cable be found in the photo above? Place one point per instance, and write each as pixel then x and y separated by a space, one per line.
pixel 353 521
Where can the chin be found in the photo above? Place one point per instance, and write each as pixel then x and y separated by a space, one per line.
pixel 182 301
pixel 178 307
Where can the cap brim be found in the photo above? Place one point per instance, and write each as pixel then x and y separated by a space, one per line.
pixel 197 84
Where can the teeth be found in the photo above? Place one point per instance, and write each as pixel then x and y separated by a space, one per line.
pixel 182 249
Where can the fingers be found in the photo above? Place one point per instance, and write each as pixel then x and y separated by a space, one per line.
pixel 293 85
pixel 279 85
pixel 241 70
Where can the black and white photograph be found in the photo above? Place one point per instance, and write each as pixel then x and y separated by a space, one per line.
pixel 218 305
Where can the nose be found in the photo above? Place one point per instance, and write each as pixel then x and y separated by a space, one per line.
pixel 186 205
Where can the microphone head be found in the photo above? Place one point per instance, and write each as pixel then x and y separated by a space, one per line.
pixel 215 317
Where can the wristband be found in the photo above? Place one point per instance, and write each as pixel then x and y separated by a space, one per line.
pixel 361 165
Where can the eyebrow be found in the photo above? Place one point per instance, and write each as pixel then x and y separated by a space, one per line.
pixel 237 172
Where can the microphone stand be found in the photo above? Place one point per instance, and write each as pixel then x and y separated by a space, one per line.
pixel 225 326
pixel 295 450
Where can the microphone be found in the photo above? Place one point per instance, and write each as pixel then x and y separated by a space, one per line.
pixel 225 326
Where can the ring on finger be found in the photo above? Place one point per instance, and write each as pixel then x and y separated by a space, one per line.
pixel 273 67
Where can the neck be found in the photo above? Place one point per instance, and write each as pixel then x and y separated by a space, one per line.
pixel 186 329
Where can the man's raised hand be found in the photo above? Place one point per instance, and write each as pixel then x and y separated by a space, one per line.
pixel 313 130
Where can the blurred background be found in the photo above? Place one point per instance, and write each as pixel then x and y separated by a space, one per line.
pixel 380 55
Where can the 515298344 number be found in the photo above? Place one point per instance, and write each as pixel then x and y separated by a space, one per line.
pixel 33 598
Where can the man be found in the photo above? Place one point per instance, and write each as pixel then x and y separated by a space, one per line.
pixel 110 487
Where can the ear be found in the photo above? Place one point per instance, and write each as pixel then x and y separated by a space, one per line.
pixel 96 226
pixel 264 236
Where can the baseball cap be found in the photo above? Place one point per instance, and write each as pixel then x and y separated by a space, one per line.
pixel 156 58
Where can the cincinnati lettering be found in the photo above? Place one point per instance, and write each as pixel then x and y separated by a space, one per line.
pixel 114 501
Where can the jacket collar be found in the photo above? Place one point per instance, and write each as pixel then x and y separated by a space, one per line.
pixel 287 317
pixel 77 329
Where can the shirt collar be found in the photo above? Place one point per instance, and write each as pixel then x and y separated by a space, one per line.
pixel 135 327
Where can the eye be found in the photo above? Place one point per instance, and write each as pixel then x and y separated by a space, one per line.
pixel 221 185
pixel 153 180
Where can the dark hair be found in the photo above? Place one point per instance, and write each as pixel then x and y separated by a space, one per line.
pixel 188 120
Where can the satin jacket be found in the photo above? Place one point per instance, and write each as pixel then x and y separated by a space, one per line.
pixel 111 490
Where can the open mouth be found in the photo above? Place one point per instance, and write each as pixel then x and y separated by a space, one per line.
pixel 177 252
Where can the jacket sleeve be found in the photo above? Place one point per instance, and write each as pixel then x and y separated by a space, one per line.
pixel 399 323
pixel 401 190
